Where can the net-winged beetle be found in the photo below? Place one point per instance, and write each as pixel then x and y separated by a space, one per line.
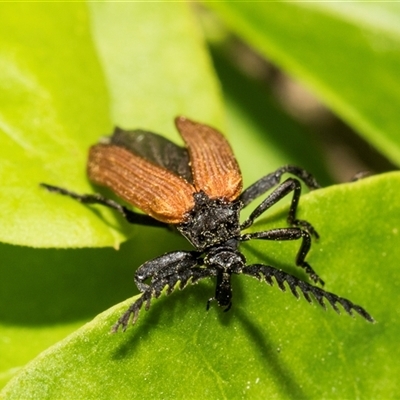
pixel 198 190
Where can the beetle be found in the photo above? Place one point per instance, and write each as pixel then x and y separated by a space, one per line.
pixel 197 189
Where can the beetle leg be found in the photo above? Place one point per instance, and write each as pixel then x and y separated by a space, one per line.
pixel 163 266
pixel 223 291
pixel 131 216
pixel 290 185
pixel 265 272
pixel 290 234
pixel 269 181
pixel 157 286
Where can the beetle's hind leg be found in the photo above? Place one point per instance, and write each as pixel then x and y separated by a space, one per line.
pixel 267 182
pixel 290 234
pixel 301 229
pixel 290 185
pixel 131 216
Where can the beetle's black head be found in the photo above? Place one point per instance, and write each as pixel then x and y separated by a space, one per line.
pixel 211 221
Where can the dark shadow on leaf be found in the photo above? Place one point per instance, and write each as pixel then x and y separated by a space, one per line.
pixel 263 258
pixel 49 286
pixel 169 310
pixel 164 313
pixel 268 351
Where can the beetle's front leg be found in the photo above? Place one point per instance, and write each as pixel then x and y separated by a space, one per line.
pixel 223 291
pixel 164 265
pixel 265 272
pixel 155 288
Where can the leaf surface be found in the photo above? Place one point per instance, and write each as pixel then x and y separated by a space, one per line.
pixel 269 344
pixel 94 68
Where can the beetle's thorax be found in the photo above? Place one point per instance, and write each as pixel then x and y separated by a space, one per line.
pixel 227 258
pixel 211 221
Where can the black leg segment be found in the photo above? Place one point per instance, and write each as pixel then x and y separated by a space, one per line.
pixel 290 234
pixel 131 216
pixel 155 289
pixel 267 273
pixel 269 181
pixel 290 185
pixel 223 291
pixel 165 265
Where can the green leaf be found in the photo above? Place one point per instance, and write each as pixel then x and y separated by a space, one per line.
pixel 46 294
pixel 21 344
pixel 269 345
pixel 50 73
pixel 156 66
pixel 345 53
pixel 152 63
pixel 54 104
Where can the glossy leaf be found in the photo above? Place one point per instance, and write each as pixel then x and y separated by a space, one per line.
pixel 46 294
pixel 54 104
pixel 269 345
pixel 44 135
pixel 155 65
pixel 346 53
